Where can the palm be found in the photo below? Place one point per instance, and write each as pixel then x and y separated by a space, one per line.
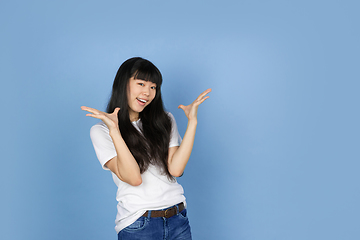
pixel 191 110
pixel 110 119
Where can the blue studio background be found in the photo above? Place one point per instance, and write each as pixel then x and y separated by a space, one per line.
pixel 276 154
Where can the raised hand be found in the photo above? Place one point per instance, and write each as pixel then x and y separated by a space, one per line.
pixel 191 110
pixel 110 119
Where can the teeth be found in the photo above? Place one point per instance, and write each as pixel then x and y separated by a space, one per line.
pixel 142 100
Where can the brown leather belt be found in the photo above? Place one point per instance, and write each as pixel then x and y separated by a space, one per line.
pixel 167 213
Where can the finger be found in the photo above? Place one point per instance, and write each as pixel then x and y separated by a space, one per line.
pixel 89 109
pixel 204 93
pixel 205 98
pixel 181 106
pixel 85 108
pixel 94 116
pixel 116 110
pixel 198 102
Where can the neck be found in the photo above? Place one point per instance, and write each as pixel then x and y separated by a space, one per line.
pixel 133 116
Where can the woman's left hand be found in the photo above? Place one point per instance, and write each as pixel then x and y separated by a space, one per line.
pixel 191 110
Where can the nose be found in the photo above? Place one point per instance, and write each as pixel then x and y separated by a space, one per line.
pixel 146 92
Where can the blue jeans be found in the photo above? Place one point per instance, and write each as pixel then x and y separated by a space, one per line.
pixel 147 228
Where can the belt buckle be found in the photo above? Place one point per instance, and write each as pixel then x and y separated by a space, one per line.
pixel 166 212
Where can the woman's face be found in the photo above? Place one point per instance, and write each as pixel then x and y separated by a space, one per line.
pixel 140 93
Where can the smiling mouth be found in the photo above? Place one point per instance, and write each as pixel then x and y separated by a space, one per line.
pixel 142 100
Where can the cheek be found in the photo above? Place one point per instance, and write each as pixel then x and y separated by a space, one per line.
pixel 152 97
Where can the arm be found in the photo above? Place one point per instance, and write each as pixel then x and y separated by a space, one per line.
pixel 179 156
pixel 124 165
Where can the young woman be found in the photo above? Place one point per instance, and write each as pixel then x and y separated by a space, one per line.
pixel 138 141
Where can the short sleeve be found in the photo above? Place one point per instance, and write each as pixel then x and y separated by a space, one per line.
pixel 103 144
pixel 175 138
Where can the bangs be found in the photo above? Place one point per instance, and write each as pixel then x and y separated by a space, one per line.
pixel 148 73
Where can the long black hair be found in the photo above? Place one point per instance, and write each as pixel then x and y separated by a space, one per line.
pixel 152 145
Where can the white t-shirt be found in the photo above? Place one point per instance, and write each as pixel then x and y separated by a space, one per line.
pixel 155 192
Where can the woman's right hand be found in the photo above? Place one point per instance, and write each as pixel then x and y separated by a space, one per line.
pixel 110 119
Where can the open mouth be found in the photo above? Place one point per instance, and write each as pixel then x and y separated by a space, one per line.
pixel 142 101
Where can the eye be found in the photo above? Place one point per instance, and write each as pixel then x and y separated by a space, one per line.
pixel 153 87
pixel 141 84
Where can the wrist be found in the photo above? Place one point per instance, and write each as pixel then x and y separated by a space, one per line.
pixel 114 131
pixel 192 122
